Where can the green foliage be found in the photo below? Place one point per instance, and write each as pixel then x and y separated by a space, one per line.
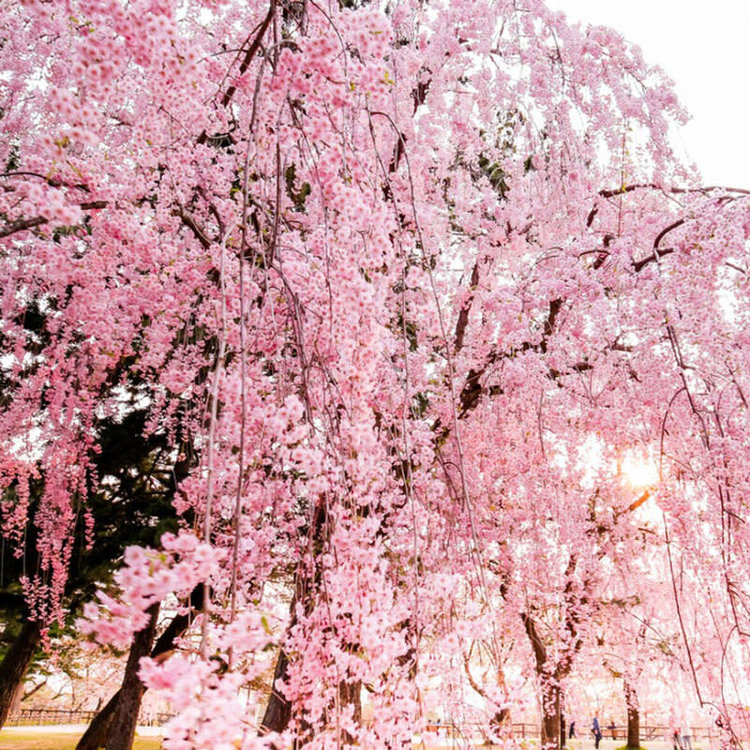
pixel 132 504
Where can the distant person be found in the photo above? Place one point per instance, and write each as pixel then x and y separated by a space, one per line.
pixel 572 730
pixel 597 731
pixel 676 734
pixel 676 743
pixel 685 733
pixel 612 729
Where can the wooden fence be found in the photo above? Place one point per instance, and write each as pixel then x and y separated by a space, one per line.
pixel 39 716
pixel 46 715
pixel 652 732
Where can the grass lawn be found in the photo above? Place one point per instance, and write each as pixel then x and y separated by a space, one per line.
pixel 12 739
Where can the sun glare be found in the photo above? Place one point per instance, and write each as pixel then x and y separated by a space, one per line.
pixel 639 471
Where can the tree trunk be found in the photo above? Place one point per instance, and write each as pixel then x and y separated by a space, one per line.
pixel 98 731
pixel 350 693
pixel 549 684
pixel 500 723
pixel 278 710
pixel 551 718
pixel 634 728
pixel 125 718
pixel 15 665
pixel 114 726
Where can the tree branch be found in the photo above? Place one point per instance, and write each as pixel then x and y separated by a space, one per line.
pixel 245 64
pixel 23 224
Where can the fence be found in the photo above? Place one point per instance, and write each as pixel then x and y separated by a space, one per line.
pixel 652 732
pixel 620 732
pixel 39 716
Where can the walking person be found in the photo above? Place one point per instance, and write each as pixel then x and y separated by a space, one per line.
pixel 572 730
pixel 597 731
pixel 676 734
pixel 685 733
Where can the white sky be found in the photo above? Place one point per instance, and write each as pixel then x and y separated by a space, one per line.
pixel 705 49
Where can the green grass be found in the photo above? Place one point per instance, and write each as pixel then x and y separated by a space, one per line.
pixel 20 740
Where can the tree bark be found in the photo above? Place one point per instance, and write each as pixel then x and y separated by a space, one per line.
pixel 96 734
pixel 15 665
pixel 278 709
pixel 125 718
pixel 98 731
pixel 634 723
pixel 114 726
pixel 350 694
pixel 549 684
pixel 551 719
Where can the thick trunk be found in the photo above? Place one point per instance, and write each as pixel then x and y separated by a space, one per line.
pixel 125 718
pixel 114 726
pixel 634 723
pixel 549 684
pixel 350 694
pixel 15 665
pixel 500 722
pixel 551 718
pixel 98 731
pixel 552 675
pixel 279 709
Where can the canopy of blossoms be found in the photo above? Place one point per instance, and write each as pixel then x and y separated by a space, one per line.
pixel 407 286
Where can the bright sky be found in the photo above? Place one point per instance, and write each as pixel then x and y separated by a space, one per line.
pixel 706 51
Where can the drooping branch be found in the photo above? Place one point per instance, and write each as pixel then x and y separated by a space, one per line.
pixel 23 224
pixel 245 64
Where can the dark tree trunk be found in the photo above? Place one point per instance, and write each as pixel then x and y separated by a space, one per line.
pixel 125 718
pixel 97 732
pixel 114 726
pixel 500 722
pixel 99 729
pixel 350 694
pixel 551 676
pixel 15 665
pixel 551 719
pixel 634 722
pixel 549 684
pixel 278 710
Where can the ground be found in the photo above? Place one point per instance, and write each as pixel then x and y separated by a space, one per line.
pixel 51 738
